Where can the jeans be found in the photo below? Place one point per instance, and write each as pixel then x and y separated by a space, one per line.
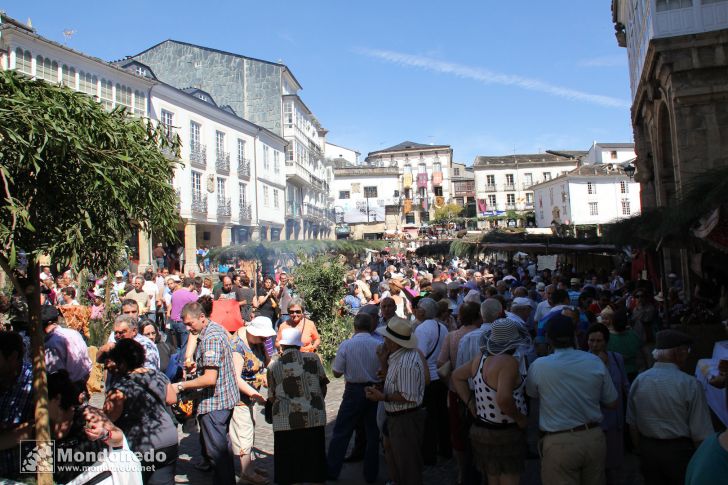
pixel 160 263
pixel 354 406
pixel 214 428
pixel 181 334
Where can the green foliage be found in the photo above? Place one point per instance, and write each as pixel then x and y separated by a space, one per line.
pixel 77 179
pixel 320 282
pixel 447 212
pixel 310 248
pixel 99 331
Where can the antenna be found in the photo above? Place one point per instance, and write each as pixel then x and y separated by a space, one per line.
pixel 68 33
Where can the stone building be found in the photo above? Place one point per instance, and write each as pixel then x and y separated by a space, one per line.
pixel 679 81
pixel 266 93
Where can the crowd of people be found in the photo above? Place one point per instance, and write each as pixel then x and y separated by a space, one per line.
pixel 489 363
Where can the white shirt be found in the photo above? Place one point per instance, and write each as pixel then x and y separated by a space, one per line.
pixel 151 289
pixel 357 359
pixel 430 337
pixel 541 310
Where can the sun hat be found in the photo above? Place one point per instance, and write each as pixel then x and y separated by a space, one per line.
pixel 260 326
pixel 290 336
pixel 118 274
pixel 503 335
pixel 399 331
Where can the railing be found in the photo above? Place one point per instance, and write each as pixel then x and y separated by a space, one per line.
pixel 224 208
pixel 222 164
pixel 199 203
pixel 509 187
pixel 319 183
pixel 527 185
pixel 312 210
pixel 244 168
pixel 291 210
pixel 467 188
pixel 529 205
pixel 245 210
pixel 198 156
pixel 490 188
pixel 510 207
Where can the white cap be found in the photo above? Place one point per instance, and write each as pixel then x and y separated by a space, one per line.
pixel 520 301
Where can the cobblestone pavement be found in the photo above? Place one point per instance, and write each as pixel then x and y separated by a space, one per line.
pixel 442 474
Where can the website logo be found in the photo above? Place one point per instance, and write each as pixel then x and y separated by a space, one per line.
pixel 37 456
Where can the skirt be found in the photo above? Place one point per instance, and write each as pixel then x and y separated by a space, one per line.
pixel 299 455
pixel 499 451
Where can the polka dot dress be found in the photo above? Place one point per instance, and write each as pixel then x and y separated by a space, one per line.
pixel 485 403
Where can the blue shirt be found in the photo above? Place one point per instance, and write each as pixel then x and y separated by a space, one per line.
pixel 357 359
pixel 570 385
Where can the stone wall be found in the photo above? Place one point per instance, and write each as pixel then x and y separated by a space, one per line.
pixel 251 87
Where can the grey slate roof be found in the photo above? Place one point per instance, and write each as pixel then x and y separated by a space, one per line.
pixel 523 160
pixel 616 145
pixel 408 145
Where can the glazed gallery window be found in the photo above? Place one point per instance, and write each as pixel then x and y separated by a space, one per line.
pixel 593 208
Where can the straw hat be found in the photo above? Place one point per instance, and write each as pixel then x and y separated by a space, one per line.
pixel 260 326
pixel 503 335
pixel 399 331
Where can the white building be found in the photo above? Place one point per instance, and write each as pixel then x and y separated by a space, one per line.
pixel 424 179
pixel 587 197
pixel 462 179
pixel 364 201
pixel 338 152
pixel 503 183
pixel 220 201
pixel 609 153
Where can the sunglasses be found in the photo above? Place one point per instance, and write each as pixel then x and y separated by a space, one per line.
pixel 295 312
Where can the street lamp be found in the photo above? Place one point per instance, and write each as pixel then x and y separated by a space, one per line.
pixel 629 170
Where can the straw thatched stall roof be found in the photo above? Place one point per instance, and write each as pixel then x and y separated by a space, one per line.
pixel 530 243
pixel 264 249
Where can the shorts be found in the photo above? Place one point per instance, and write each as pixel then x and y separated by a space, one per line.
pixel 242 429
pixel 499 451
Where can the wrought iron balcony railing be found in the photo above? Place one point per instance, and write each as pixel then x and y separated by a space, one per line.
pixel 199 203
pixel 224 208
pixel 222 164
pixel 198 156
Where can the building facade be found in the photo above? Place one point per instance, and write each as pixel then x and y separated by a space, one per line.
pixel 266 93
pixel 338 152
pixel 679 86
pixel 586 198
pixel 424 180
pixel 463 189
pixel 609 153
pixel 503 183
pixel 364 201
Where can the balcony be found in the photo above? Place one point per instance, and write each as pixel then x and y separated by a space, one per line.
pixel 199 204
pixel 527 185
pixel 510 207
pixel 509 187
pixel 224 208
pixel 198 156
pixel 297 173
pixel 222 163
pixel 528 205
pixel 245 211
pixel 464 189
pixel 319 184
pixel 490 188
pixel 243 168
pixel 311 210
pixel 292 209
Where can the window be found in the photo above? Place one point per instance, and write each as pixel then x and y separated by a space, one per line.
pixel 613 154
pixel 196 185
pixel 243 196
pixel 409 218
pixel 528 179
pixel 68 77
pixel 88 83
pixel 625 207
pixel 529 198
pixel 370 192
pixel 422 168
pixel 663 5
pixel 275 198
pixel 289 152
pixel 140 103
pixel 266 158
pixel 509 179
pixel 106 94
pixel 546 176
pixel 490 179
pixel 276 162
pixel 288 114
pixel 344 194
pixel 456 172
pixel 396 193
pixel 123 96
pixel 491 201
pixel 591 189
pixel 438 191
pixel 564 172
pixel 220 188
pixel 46 69
pixel 407 168
pixel 265 196
pixel 167 123
pixel 593 208
pixel 220 144
pixel 241 150
pixel 24 61
pixel 437 167
pixel 623 187
pixel 510 199
pixel 195 129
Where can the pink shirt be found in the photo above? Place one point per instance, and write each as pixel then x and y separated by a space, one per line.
pixel 179 299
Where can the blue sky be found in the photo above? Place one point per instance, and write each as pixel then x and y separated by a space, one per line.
pixel 485 77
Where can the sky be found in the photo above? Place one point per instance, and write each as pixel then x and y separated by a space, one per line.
pixel 485 77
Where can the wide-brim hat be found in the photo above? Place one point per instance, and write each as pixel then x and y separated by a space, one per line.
pixel 399 331
pixel 261 326
pixel 291 336
pixel 503 335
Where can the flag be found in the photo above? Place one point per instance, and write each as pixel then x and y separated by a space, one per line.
pixel 482 206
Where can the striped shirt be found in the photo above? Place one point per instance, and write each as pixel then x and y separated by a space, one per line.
pixel 406 375
pixel 357 359
pixel 213 351
pixel 666 403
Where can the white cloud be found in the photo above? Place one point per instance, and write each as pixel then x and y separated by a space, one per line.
pixel 604 61
pixel 486 76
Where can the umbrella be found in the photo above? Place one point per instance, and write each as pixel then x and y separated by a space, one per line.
pixel 227 314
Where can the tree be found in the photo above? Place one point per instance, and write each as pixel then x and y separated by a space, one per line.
pixel 447 213
pixel 77 181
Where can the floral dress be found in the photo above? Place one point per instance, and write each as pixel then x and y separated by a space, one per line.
pixel 254 370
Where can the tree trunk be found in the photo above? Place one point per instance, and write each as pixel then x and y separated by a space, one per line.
pixel 107 297
pixel 31 290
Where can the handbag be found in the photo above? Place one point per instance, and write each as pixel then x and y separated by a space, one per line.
pixel 268 411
